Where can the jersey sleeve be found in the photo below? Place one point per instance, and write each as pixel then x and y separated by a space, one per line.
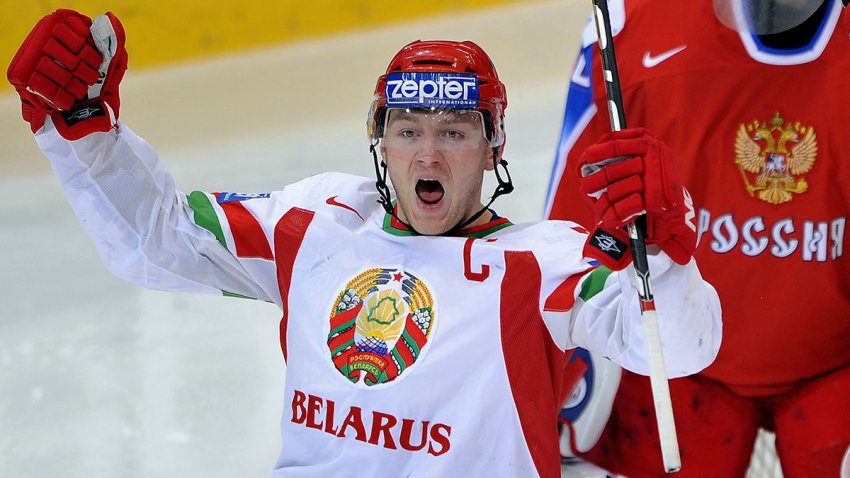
pixel 145 230
pixel 589 306
pixel 584 304
pixel 607 318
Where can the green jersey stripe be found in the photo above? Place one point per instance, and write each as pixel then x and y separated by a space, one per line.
pixel 594 283
pixel 205 215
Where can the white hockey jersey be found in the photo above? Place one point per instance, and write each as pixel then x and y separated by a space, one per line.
pixel 406 355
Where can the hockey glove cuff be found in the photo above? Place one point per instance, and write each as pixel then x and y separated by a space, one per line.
pixel 609 247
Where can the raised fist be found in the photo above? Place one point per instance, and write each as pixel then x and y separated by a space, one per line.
pixel 70 67
pixel 629 173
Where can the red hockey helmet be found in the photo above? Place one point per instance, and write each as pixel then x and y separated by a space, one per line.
pixel 442 74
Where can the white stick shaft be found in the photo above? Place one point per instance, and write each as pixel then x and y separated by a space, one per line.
pixel 661 393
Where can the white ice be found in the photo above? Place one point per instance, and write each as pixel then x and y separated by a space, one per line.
pixel 100 378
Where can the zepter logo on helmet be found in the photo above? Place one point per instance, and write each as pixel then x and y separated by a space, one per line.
pixel 445 79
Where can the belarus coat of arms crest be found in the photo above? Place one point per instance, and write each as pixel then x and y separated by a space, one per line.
pixel 775 155
pixel 379 325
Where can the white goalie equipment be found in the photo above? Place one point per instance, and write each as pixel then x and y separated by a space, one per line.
pixel 585 412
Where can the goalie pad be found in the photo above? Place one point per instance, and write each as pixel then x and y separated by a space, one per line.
pixel 588 406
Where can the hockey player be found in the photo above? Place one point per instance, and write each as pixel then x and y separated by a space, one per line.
pixel 751 97
pixel 423 334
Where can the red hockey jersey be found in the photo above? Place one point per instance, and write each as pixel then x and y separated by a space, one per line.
pixel 760 139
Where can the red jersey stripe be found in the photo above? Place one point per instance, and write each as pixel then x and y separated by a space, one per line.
pixel 534 363
pixel 563 298
pixel 248 235
pixel 288 235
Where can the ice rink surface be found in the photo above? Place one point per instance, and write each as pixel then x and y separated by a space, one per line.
pixel 100 378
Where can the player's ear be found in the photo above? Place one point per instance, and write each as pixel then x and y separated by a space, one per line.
pixel 489 164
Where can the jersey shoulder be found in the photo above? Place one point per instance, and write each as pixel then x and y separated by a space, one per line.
pixel 341 196
pixel 315 192
pixel 549 238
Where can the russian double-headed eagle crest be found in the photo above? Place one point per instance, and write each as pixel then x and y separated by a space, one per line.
pixel 776 155
pixel 379 325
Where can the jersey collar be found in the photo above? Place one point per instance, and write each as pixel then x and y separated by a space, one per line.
pixel 810 52
pixel 496 223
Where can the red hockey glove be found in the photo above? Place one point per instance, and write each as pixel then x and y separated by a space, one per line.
pixel 629 173
pixel 70 67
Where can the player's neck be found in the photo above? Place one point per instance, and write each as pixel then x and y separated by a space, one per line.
pixel 484 218
pixel 490 223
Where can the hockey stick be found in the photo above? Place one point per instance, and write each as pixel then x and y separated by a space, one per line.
pixel 657 370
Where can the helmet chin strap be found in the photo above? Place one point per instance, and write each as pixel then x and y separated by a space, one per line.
pixel 505 186
pixel 385 199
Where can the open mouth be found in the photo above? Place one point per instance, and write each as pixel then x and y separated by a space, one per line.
pixel 429 191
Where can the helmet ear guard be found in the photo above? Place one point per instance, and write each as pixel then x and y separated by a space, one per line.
pixel 494 128
pixel 375 122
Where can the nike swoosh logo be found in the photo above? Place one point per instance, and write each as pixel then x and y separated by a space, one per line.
pixel 333 202
pixel 650 60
